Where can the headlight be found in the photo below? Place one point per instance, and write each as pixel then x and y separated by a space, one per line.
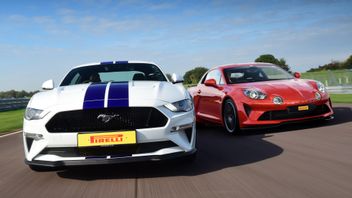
pixel 180 106
pixel 278 100
pixel 254 94
pixel 317 96
pixel 33 114
pixel 321 87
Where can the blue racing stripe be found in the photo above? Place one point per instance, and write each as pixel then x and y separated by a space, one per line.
pixel 118 95
pixel 121 62
pixel 94 98
pixel 107 63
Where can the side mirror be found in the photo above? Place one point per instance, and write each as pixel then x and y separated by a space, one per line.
pixel 297 75
pixel 176 78
pixel 48 85
pixel 211 83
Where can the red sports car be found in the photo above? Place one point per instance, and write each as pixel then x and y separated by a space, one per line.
pixel 257 94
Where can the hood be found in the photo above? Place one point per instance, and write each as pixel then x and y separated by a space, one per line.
pixel 164 92
pixel 99 95
pixel 290 90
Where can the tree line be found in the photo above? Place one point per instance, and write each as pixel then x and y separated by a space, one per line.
pixel 334 65
pixel 16 94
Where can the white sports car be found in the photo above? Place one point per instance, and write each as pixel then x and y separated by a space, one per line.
pixel 109 112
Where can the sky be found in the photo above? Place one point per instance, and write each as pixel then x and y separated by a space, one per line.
pixel 41 40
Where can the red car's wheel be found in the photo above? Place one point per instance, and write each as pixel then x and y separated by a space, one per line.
pixel 230 117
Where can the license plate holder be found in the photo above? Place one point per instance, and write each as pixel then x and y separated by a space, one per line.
pixel 106 138
pixel 303 108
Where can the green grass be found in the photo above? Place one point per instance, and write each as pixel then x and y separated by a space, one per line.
pixel 341 98
pixel 330 78
pixel 11 120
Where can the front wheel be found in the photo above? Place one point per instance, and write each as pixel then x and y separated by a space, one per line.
pixel 230 117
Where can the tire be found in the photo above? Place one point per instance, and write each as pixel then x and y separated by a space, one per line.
pixel 229 115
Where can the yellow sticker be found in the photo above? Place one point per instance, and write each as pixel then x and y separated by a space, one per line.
pixel 303 108
pixel 106 139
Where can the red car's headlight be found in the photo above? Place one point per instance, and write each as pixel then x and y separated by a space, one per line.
pixel 321 87
pixel 278 100
pixel 254 94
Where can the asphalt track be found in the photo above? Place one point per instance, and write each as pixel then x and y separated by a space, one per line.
pixel 300 160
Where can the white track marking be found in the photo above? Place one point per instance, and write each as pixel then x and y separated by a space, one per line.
pixel 13 133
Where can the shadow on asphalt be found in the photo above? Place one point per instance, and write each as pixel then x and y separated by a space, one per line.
pixel 216 150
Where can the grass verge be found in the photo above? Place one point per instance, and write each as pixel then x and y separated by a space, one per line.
pixel 341 98
pixel 11 120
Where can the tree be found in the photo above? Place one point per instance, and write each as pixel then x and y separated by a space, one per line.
pixel 348 63
pixel 194 75
pixel 269 58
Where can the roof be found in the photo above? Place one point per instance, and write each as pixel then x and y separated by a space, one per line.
pixel 113 62
pixel 242 64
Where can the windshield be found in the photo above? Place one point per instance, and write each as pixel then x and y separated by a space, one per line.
pixel 255 74
pixel 113 73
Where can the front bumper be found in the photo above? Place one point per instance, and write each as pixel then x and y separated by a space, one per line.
pixel 104 161
pixel 183 143
pixel 254 115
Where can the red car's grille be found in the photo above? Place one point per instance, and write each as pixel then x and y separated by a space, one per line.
pixel 108 119
pixel 293 112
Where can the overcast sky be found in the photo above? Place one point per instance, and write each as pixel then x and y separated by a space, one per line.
pixel 42 40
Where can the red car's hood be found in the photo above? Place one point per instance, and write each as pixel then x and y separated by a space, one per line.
pixel 289 90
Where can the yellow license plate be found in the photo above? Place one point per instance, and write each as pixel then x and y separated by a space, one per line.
pixel 303 108
pixel 106 139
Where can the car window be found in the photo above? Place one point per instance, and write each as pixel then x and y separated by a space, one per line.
pixel 75 79
pixel 118 76
pixel 245 74
pixel 215 74
pixel 222 81
pixel 113 73
pixel 274 73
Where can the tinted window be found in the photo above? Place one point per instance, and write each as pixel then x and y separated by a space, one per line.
pixel 113 73
pixel 255 73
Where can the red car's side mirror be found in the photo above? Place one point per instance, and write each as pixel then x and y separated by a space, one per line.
pixel 210 82
pixel 297 75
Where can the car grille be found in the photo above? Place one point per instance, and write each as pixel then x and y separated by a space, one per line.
pixel 124 118
pixel 113 151
pixel 292 113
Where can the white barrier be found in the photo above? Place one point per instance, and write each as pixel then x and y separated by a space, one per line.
pixel 339 89
pixel 13 103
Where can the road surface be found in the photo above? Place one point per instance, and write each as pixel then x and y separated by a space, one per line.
pixel 301 160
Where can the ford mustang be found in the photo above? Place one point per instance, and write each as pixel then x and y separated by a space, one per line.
pixel 253 95
pixel 109 112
